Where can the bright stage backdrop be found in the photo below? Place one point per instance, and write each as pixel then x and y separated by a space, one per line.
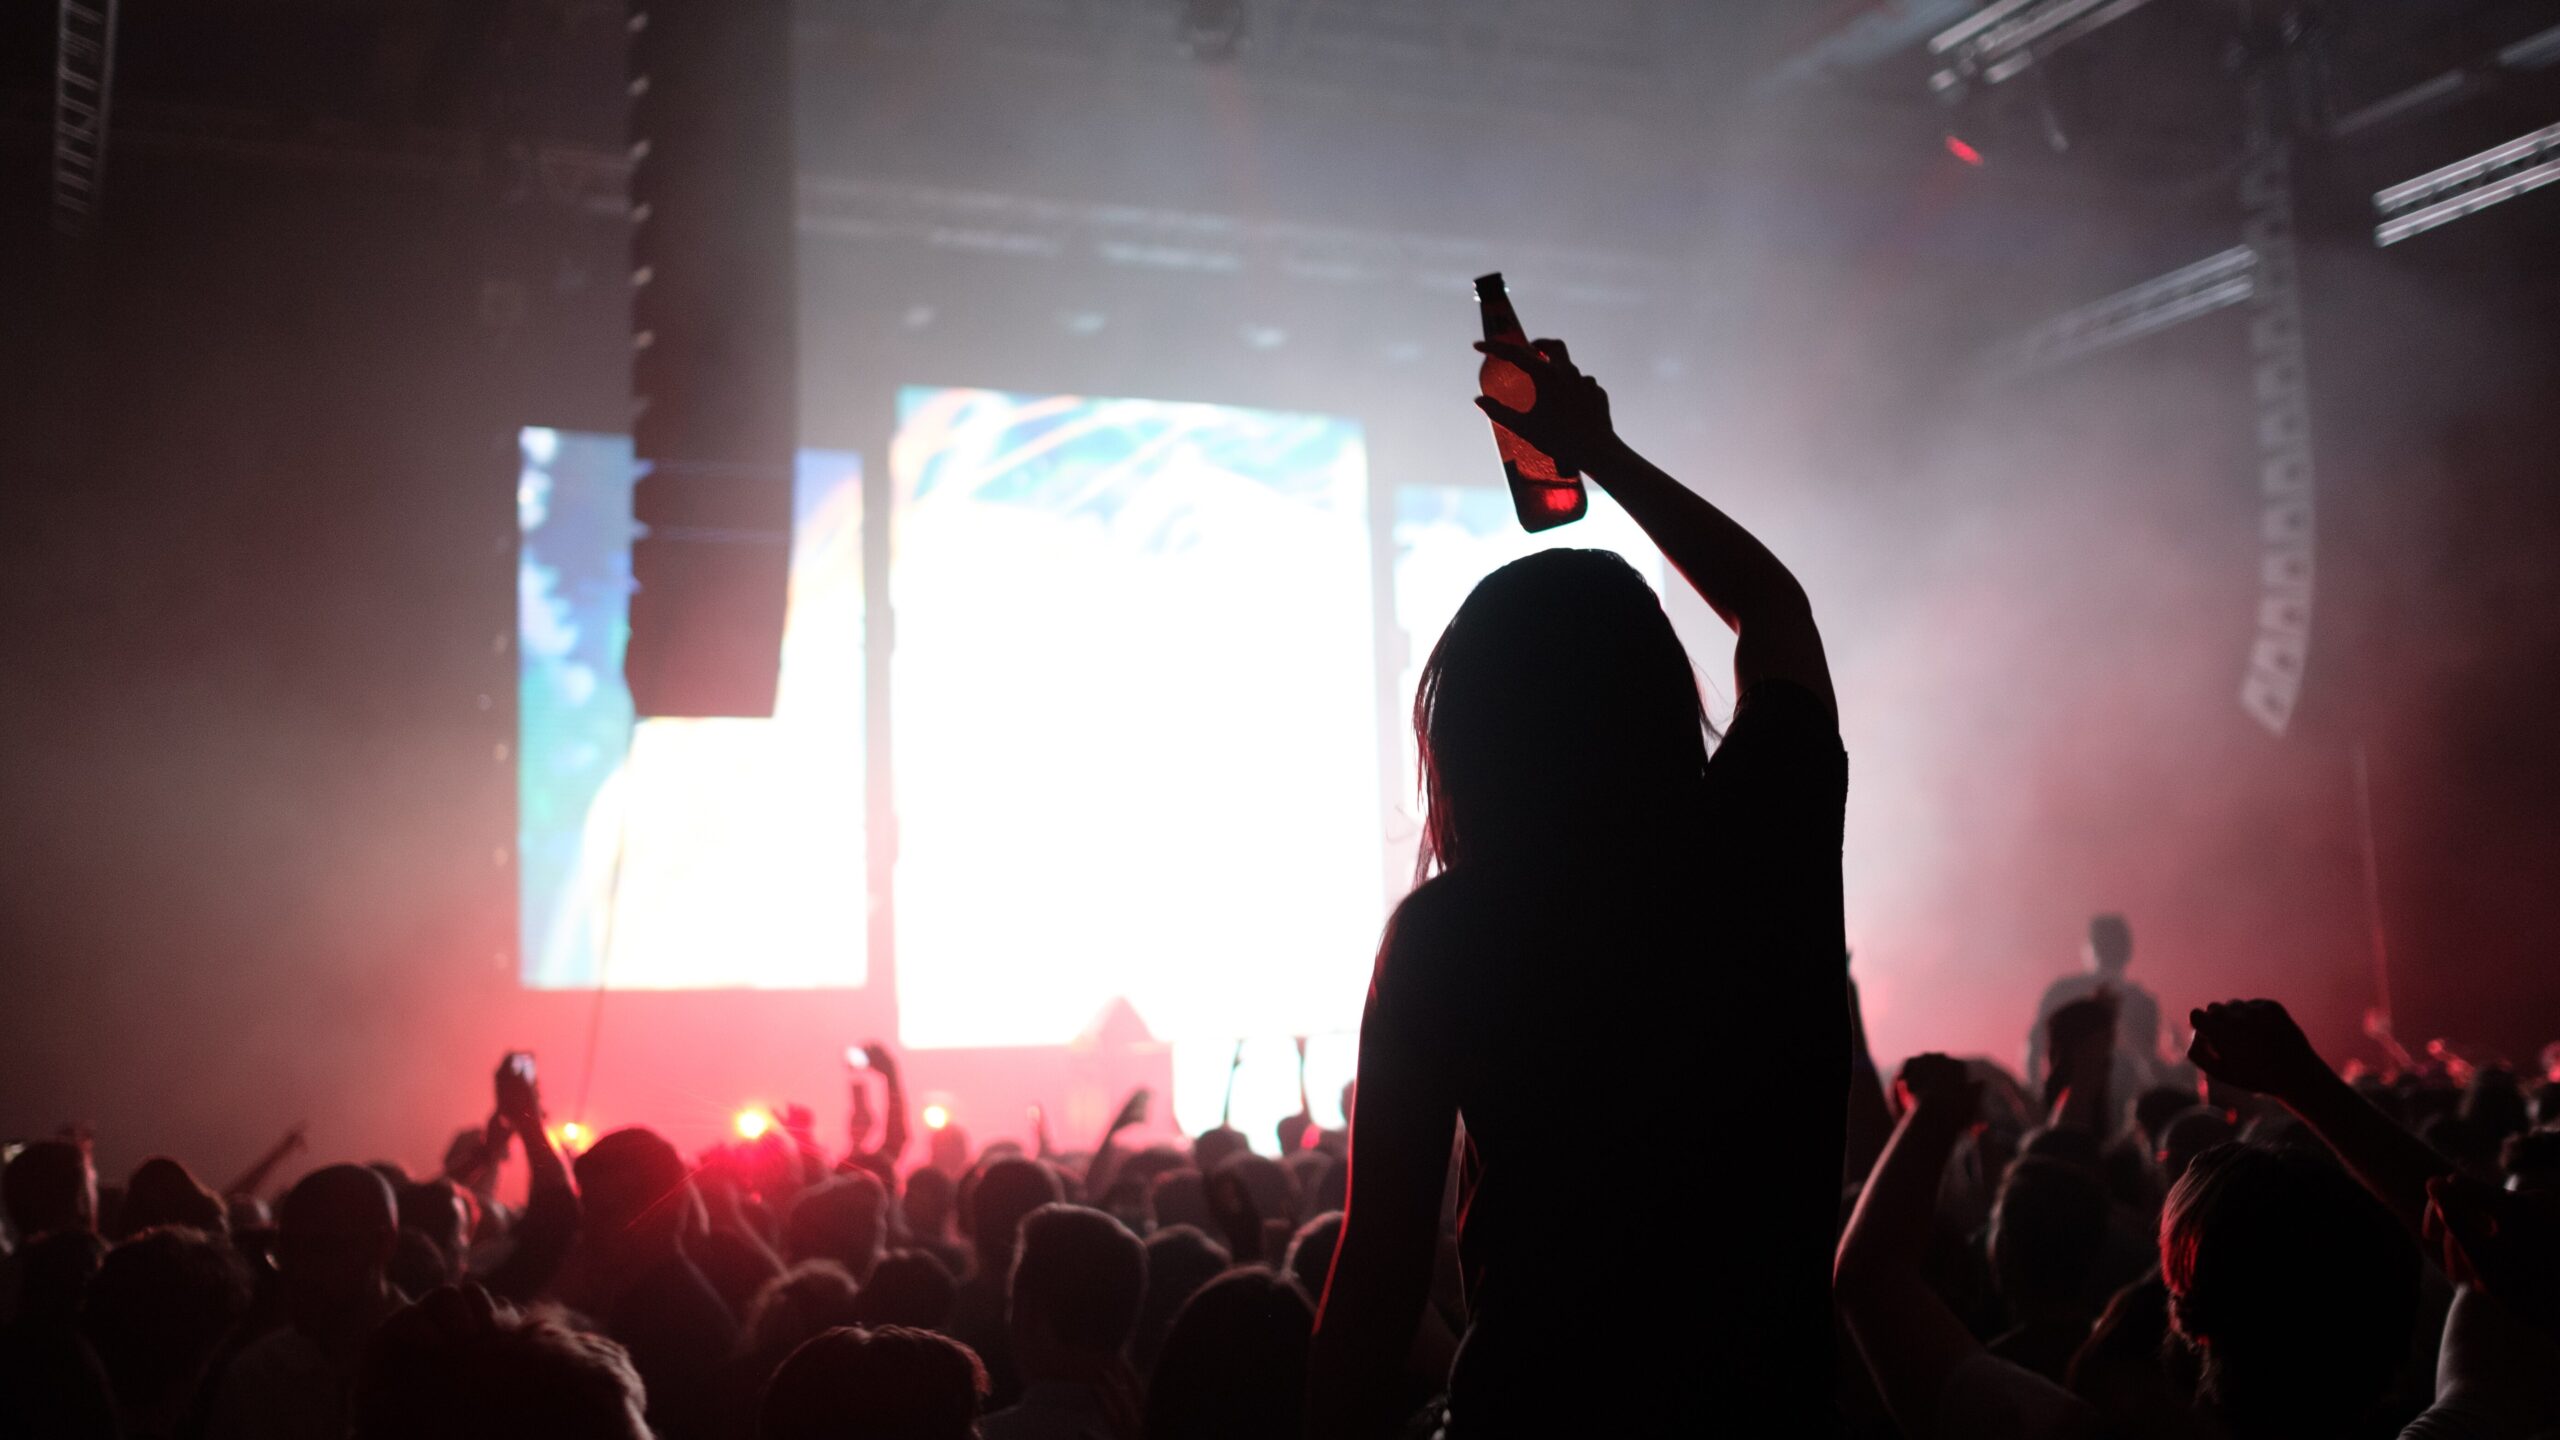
pixel 683 854
pixel 1135 743
pixel 1135 724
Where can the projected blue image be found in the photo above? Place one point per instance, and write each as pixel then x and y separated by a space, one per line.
pixel 683 854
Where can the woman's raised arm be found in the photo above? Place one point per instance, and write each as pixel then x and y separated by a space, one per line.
pixel 1749 588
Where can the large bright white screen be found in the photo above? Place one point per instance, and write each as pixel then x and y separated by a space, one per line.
pixel 1135 710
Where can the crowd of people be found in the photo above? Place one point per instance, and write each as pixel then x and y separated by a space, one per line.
pixel 2249 1245
pixel 2236 1243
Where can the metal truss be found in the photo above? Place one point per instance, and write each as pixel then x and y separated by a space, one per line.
pixel 2467 186
pixel 84 67
pixel 2000 41
pixel 2213 283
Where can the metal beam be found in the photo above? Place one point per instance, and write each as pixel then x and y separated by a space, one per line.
pixel 84 71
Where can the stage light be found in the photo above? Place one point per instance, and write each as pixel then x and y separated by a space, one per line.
pixel 752 1124
pixel 572 1133
pixel 1964 152
pixel 936 1117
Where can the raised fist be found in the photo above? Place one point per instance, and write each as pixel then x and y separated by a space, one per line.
pixel 1940 1085
pixel 2255 1045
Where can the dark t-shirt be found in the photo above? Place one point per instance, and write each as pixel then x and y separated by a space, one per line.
pixel 679 1333
pixel 1653 1036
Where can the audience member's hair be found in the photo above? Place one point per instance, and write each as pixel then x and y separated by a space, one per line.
pixel 1180 1260
pixel 811 1297
pixel 887 1384
pixel 2294 1287
pixel 2048 1224
pixel 442 1211
pixel 2190 1135
pixel 2154 1108
pixel 50 1185
pixel 1235 1366
pixel 160 1305
pixel 631 1183
pixel 163 1192
pixel 1179 1197
pixel 1310 1257
pixel 1007 1190
pixel 1081 1275
pixel 1264 1180
pixel 1213 1148
pixel 336 1235
pixel 2471 1146
pixel 908 1287
pixel 927 1203
pixel 2494 1101
pixel 846 1220
pixel 459 1364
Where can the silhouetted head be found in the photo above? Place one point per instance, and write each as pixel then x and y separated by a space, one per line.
pixel 459 1363
pixel 164 1192
pixel 887 1384
pixel 1557 708
pixel 2048 1224
pixel 845 1220
pixel 156 1313
pixel 334 1239
pixel 808 1299
pixel 1180 1260
pixel 1179 1197
pixel 634 1189
pixel 2110 944
pixel 50 1185
pixel 2495 1102
pixel 1078 1277
pixel 2157 1106
pixel 1257 1181
pixel 1235 1366
pixel 2294 1287
pixel 2189 1135
pixel 907 1287
pixel 1310 1257
pixel 927 1204
pixel 1215 1147
pixel 442 1212
pixel 1007 1190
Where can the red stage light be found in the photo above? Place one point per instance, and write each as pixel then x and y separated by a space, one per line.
pixel 936 1117
pixel 752 1124
pixel 1964 152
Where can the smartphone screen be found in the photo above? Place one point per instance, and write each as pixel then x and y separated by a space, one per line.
pixel 520 1063
pixel 857 1057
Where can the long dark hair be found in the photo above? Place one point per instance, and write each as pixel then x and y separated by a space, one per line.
pixel 1558 709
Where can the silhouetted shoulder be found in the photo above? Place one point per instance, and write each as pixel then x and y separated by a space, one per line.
pixel 1447 930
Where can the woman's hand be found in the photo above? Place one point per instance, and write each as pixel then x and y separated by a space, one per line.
pixel 1569 420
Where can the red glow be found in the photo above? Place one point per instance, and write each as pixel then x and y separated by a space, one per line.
pixel 752 1124
pixel 1964 152
pixel 1562 500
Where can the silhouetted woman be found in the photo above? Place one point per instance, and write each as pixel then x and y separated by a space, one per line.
pixel 1626 979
